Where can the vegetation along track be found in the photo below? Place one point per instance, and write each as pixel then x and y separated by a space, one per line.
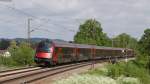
pixel 36 74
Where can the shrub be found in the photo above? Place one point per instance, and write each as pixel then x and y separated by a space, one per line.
pixel 6 61
pixel 86 79
pixel 116 70
pixel 95 79
pixel 129 69
pixel 22 55
pixel 97 71
pixel 127 80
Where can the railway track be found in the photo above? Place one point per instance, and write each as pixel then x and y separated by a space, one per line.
pixel 36 73
pixel 17 71
pixel 32 74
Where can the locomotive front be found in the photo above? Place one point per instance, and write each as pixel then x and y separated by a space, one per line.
pixel 44 52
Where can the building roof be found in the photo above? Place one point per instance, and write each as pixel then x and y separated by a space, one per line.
pixel 2 51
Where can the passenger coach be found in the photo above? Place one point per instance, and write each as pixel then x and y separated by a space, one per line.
pixel 56 52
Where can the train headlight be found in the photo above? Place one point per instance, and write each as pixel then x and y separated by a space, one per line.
pixel 123 51
pixel 50 55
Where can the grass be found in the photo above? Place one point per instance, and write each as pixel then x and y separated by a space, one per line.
pixel 119 73
pixel 129 69
pixel 95 79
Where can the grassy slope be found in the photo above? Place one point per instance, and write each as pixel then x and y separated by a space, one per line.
pixel 120 73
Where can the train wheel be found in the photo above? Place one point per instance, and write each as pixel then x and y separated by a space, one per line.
pixel 114 60
pixel 54 63
pixel 47 64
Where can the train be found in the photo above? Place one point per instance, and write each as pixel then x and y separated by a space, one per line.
pixel 52 52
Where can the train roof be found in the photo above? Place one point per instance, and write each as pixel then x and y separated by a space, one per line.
pixel 71 45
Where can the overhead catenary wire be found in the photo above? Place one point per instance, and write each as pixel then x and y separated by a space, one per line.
pixel 48 20
pixel 46 31
pixel 43 20
pixel 56 24
pixel 10 22
pixel 34 17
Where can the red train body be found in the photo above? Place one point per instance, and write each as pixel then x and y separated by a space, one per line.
pixel 55 52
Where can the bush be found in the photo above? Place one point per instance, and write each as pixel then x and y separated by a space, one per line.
pixel 116 70
pixel 127 80
pixel 95 79
pixel 142 60
pixel 86 79
pixel 101 71
pixel 6 61
pixel 21 55
pixel 129 69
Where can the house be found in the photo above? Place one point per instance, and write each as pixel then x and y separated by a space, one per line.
pixel 5 53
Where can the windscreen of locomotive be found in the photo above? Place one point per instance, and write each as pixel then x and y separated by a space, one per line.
pixel 43 47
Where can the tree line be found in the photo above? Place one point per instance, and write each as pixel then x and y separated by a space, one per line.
pixel 90 32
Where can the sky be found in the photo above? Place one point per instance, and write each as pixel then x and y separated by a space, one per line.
pixel 60 19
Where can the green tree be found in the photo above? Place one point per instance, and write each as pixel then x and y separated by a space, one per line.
pixel 4 44
pixel 13 45
pixel 22 54
pixel 124 40
pixel 144 42
pixel 8 61
pixel 144 48
pixel 91 33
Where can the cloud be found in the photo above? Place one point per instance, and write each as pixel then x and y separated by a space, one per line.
pixel 118 16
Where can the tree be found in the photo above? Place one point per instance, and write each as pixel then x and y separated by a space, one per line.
pixel 13 48
pixel 144 42
pixel 8 61
pixel 91 33
pixel 13 45
pixel 4 44
pixel 21 54
pixel 144 47
pixel 124 41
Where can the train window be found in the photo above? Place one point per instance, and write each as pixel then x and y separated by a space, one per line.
pixel 43 47
pixel 102 52
pixel 85 52
pixel 98 52
pixel 67 52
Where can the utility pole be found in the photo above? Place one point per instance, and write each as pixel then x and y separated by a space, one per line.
pixel 112 42
pixel 29 31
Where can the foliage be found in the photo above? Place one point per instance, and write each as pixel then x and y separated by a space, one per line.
pixel 144 48
pixel 6 61
pixel 91 33
pixel 4 44
pixel 127 80
pixel 95 79
pixel 124 40
pixel 97 71
pixel 130 69
pixel 22 55
pixel 142 60
pixel 144 42
pixel 115 70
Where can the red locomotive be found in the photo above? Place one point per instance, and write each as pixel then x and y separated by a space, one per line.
pixel 56 52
